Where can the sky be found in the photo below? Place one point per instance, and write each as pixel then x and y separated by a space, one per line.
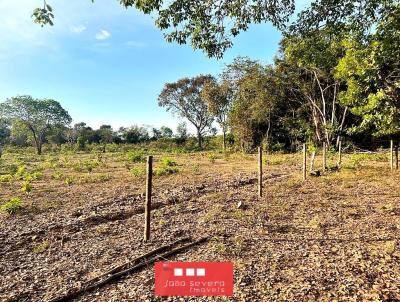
pixel 106 64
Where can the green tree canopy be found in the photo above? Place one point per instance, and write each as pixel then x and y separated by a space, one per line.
pixel 38 116
pixel 184 98
pixel 371 70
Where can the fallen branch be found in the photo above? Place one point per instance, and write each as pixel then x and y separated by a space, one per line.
pixel 143 257
pixel 91 286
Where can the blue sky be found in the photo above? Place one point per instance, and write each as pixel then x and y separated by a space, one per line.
pixel 103 63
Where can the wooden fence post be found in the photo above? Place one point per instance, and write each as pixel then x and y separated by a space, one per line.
pixel 323 156
pixel 391 154
pixel 340 154
pixel 147 207
pixel 304 161
pixel 260 172
pixel 396 156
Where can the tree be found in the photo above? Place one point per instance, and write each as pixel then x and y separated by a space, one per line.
pixel 207 25
pixel 5 134
pixel 371 70
pixel 39 116
pixel 134 134
pixel 106 134
pixel 181 133
pixel 219 98
pixel 309 64
pixel 357 16
pixel 185 99
pixel 253 110
pixel 166 132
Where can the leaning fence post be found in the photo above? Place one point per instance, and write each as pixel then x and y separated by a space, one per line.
pixel 323 156
pixel 340 154
pixel 260 172
pixel 147 207
pixel 304 161
pixel 391 154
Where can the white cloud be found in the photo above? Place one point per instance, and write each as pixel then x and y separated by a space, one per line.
pixel 77 29
pixel 103 35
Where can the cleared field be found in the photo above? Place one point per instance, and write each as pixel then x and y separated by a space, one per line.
pixel 330 238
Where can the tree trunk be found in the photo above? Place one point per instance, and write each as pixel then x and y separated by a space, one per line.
pixel 39 148
pixel 312 162
pixel 199 139
pixel 224 139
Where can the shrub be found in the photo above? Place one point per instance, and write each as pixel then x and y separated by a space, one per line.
pixel 26 187
pixel 20 172
pixel 167 162
pixel 165 170
pixel 212 157
pixel 138 171
pixel 136 157
pixel 33 176
pixel 13 206
pixel 6 178
pixel 69 180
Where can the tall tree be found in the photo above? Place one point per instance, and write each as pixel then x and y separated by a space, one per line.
pixel 184 98
pixel 5 133
pixel 371 69
pixel 310 63
pixel 39 116
pixel 219 98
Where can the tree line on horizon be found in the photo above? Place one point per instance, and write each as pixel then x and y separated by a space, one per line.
pixel 27 121
pixel 331 84
pixel 336 76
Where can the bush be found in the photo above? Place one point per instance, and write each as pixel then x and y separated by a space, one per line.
pixel 136 157
pixel 20 172
pixel 212 157
pixel 13 206
pixel 167 162
pixel 138 171
pixel 6 178
pixel 165 170
pixel 26 187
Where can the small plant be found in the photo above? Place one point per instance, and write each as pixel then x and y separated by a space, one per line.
pixel 167 162
pixel 20 172
pixel 69 180
pixel 135 157
pixel 41 247
pixel 6 178
pixel 13 206
pixel 165 170
pixel 138 171
pixel 57 175
pixel 26 187
pixel 212 157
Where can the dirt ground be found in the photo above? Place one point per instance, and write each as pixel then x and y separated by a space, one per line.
pixel 330 238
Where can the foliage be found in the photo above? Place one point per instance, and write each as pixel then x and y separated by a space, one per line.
pixel 136 157
pixel 13 206
pixel 37 116
pixel 185 99
pixel 26 187
pixel 371 71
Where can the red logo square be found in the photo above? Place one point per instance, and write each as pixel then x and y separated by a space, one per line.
pixel 194 279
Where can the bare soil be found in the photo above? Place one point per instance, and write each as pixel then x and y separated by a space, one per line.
pixel 330 238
